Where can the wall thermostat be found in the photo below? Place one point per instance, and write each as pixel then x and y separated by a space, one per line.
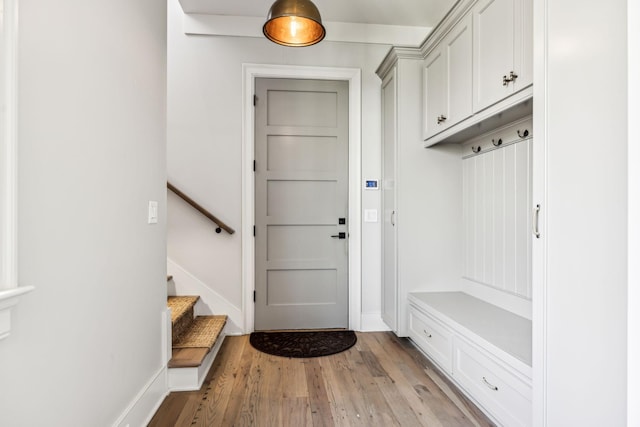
pixel 371 184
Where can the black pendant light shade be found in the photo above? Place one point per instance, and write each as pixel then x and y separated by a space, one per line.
pixel 294 23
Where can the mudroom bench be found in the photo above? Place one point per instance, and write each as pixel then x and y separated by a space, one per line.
pixel 484 349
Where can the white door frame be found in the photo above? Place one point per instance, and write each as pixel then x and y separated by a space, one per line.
pixel 352 75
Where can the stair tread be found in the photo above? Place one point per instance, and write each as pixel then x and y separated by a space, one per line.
pixel 202 333
pixel 187 357
pixel 179 305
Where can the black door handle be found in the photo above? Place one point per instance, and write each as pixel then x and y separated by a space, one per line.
pixel 340 235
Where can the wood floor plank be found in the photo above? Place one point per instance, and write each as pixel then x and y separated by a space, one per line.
pixel 220 382
pixel 321 414
pixel 381 381
pixel 394 366
pixel 295 411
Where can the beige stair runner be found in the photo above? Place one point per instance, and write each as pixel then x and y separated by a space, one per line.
pixel 192 337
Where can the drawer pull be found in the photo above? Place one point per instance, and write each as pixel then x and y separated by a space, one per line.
pixel 488 384
pixel 426 333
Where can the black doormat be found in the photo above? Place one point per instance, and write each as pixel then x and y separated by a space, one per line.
pixel 303 343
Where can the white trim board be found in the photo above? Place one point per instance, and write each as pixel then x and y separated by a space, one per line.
pixel 539 246
pixel 250 26
pixel 145 404
pixel 352 75
pixel 372 322
pixel 10 293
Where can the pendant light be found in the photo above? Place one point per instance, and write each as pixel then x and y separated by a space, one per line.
pixel 294 23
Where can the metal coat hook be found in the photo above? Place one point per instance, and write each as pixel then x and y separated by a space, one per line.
pixel 523 134
pixel 496 143
pixel 475 149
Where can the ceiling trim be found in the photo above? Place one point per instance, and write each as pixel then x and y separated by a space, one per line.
pixel 248 26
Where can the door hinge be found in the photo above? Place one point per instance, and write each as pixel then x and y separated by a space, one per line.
pixel 254 296
pixel 255 100
pixel 254 165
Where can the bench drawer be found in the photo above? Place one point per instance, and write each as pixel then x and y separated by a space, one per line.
pixel 500 391
pixel 432 337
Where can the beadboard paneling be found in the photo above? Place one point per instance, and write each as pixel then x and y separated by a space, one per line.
pixel 497 220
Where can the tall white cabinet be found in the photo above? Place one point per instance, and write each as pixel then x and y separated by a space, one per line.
pixel 459 218
pixel 409 261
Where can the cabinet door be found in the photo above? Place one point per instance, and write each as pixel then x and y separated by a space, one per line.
pixel 435 82
pixel 493 26
pixel 458 53
pixel 389 237
pixel 523 44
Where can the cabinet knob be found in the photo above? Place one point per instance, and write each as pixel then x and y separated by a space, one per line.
pixel 441 118
pixel 426 333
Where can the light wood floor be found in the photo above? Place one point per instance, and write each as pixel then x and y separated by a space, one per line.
pixel 381 381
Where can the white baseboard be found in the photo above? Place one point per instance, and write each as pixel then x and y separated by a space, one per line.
pixel 190 379
pixel 185 283
pixel 372 322
pixel 146 403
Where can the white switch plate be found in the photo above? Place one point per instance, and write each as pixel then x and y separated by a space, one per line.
pixel 153 212
pixel 371 215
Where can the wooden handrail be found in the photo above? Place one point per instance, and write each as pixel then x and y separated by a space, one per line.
pixel 221 225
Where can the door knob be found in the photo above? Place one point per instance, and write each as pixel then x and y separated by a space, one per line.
pixel 340 235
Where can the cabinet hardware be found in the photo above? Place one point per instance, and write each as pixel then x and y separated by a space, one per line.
pixel 496 143
pixel 535 222
pixel 441 118
pixel 512 78
pixel 475 149
pixel 426 333
pixel 523 134
pixel 393 218
pixel 488 384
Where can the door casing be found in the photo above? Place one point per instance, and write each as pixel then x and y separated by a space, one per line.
pixel 353 77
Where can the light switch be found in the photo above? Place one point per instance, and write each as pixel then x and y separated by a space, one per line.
pixel 153 212
pixel 370 215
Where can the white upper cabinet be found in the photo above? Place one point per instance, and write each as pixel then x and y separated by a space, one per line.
pixel 448 80
pixel 435 82
pixel 502 50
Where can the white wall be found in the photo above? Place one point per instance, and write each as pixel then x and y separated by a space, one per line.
pixel 92 115
pixel 205 138
pixel 585 112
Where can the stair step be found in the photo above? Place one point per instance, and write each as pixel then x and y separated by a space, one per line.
pixel 182 308
pixel 180 305
pixel 187 357
pixel 191 348
pixel 202 333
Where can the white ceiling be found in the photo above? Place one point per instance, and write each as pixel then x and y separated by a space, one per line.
pixel 414 13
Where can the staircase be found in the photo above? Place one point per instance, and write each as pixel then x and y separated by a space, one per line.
pixel 195 342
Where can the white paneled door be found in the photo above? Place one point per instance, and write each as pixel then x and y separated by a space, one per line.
pixel 301 204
